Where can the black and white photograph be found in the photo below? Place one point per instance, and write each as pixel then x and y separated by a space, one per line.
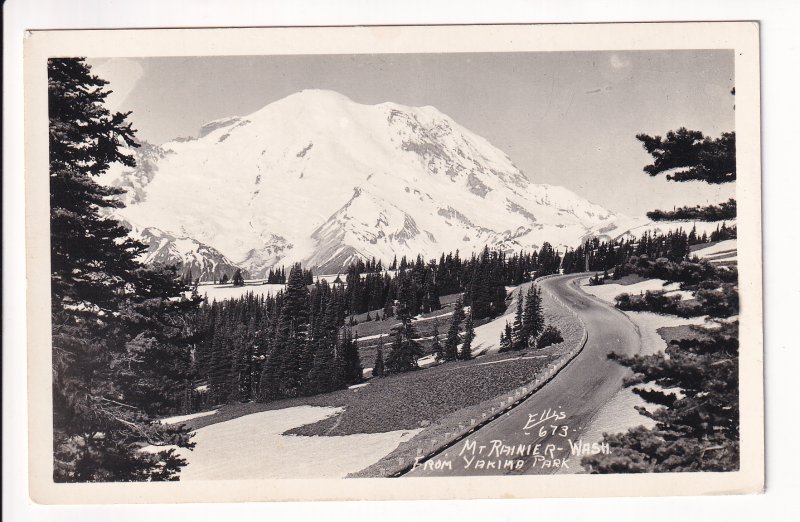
pixel 378 265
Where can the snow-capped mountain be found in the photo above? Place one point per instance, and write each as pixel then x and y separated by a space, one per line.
pixel 204 262
pixel 320 179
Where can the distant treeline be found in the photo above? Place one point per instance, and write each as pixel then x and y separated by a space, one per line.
pixel 482 278
pixel 297 343
pixel 269 347
pixel 726 210
pixel 632 255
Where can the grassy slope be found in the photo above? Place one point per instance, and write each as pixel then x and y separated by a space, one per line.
pixel 367 348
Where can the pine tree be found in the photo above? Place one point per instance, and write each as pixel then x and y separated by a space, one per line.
pixel 322 377
pixel 388 309
pixel 469 336
pixel 405 349
pixel 696 431
pixel 270 384
pixel 453 340
pixel 378 368
pixel 520 338
pixel 353 371
pixel 107 309
pixel 533 317
pixel 506 338
pixel 238 280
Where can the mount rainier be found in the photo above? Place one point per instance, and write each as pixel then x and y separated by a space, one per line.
pixel 320 179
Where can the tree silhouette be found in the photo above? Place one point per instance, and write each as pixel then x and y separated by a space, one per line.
pixel 119 342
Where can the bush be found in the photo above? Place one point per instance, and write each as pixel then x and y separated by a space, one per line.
pixel 550 335
pixel 596 280
pixel 658 302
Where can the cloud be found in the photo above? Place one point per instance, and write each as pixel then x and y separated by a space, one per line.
pixel 619 62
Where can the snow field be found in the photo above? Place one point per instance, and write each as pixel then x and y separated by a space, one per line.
pixel 253 447
pixel 222 292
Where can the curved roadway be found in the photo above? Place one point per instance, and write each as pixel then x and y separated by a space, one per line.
pixel 573 398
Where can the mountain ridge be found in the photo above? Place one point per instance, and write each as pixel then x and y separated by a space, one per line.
pixel 319 179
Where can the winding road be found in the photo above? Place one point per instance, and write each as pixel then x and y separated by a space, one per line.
pixel 556 415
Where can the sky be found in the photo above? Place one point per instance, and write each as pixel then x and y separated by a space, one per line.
pixel 564 118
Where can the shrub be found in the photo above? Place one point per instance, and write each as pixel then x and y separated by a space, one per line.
pixel 550 335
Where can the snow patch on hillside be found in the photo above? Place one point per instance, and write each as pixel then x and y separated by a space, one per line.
pixel 608 291
pixel 254 447
pixel 222 292
pixel 183 418
pixel 487 336
pixel 717 248
pixel 647 323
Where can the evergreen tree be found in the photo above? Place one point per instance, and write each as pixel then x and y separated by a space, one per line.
pixel 506 338
pixel 692 239
pixel 107 309
pixel 378 368
pixel 688 155
pixel 520 338
pixel 453 340
pixel 405 349
pixel 353 371
pixel 388 309
pixel 533 317
pixel 696 431
pixel 469 336
pixel 270 383
pixel 238 280
pixel 322 377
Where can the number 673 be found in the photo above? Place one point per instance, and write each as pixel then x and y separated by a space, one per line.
pixel 561 431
